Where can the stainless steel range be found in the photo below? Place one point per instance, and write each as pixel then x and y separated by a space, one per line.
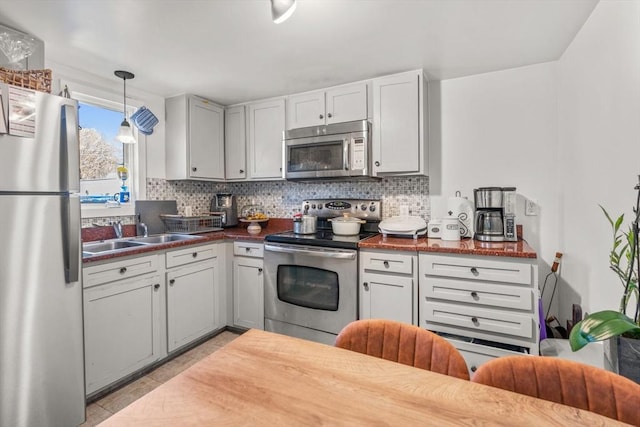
pixel 311 281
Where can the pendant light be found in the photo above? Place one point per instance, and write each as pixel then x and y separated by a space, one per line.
pixel 125 134
pixel 282 9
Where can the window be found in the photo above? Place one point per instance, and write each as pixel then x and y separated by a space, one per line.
pixel 102 156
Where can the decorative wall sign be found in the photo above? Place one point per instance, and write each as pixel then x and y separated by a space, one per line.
pixel 22 112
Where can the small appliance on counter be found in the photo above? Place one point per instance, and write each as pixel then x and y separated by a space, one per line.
pixel 458 206
pixel 224 204
pixel 450 227
pixel 495 214
pixel 403 226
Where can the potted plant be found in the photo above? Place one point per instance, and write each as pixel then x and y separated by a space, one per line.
pixel 624 330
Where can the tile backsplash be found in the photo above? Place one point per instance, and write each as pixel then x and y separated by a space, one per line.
pixel 281 199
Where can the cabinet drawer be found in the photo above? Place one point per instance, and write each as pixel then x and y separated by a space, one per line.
pixel 388 263
pixel 255 250
pixel 121 269
pixel 477 293
pixel 476 354
pixel 475 268
pixel 191 254
pixel 479 319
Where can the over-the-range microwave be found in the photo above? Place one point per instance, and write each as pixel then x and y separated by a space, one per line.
pixel 340 150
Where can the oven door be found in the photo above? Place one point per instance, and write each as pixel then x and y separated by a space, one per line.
pixel 317 157
pixel 311 287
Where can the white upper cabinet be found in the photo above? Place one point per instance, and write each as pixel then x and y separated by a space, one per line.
pixel 400 124
pixel 194 138
pixel 335 105
pixel 266 127
pixel 235 143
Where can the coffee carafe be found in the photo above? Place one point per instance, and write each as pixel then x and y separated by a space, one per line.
pixel 225 203
pixel 495 214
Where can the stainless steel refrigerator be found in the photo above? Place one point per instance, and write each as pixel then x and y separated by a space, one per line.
pixel 41 336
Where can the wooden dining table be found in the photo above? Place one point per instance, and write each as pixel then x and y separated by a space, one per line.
pixel 267 379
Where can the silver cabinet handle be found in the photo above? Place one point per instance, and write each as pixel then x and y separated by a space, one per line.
pixel 241 171
pixel 386 264
pixel 172 281
pixel 321 116
pixel 194 169
pixel 195 254
pixel 123 270
pixel 474 294
pixel 474 320
pixel 474 368
pixel 474 271
pixel 366 286
pixel 259 270
pixel 377 163
pixel 329 115
pixel 156 286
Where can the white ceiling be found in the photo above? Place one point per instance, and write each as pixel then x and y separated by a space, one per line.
pixel 230 50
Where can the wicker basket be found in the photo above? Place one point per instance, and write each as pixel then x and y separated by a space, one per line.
pixel 39 80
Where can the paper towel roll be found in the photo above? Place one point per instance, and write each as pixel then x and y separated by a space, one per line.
pixel 463 209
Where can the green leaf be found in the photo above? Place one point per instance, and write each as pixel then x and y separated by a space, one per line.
pixel 618 223
pixel 607 215
pixel 600 326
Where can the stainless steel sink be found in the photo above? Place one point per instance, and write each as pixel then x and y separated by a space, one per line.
pixel 165 238
pixel 93 248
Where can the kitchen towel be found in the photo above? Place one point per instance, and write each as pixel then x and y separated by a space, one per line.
pixel 463 209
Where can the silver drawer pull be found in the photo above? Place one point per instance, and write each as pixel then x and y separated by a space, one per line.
pixel 474 295
pixel 474 271
pixel 195 254
pixel 474 368
pixel 386 264
pixel 123 270
pixel 474 320
pixel 366 286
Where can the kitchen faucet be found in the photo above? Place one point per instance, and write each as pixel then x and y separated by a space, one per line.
pixel 117 227
pixel 145 229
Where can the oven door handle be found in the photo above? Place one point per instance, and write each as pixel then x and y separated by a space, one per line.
pixel 311 252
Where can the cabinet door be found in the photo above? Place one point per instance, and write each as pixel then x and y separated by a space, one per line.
pixel 191 303
pixel 396 124
pixel 266 127
pixel 235 143
pixel 347 103
pixel 122 329
pixel 206 139
pixel 386 297
pixel 306 109
pixel 248 293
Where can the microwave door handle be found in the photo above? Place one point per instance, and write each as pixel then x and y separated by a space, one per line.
pixel 347 154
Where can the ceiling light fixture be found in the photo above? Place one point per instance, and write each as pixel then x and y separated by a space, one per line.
pixel 282 9
pixel 125 133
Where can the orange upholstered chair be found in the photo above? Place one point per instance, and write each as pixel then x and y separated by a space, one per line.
pixel 567 382
pixel 403 343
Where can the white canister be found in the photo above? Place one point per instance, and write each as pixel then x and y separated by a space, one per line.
pixel 450 228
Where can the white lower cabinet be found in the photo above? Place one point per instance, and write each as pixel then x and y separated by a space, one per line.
pixel 122 322
pixel 248 285
pixel 388 286
pixel 485 306
pixel 193 295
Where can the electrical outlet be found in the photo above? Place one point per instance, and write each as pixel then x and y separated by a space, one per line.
pixel 404 210
pixel 530 207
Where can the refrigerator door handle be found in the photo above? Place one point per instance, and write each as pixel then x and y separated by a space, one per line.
pixel 71 238
pixel 70 142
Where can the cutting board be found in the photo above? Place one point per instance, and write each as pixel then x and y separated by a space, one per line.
pixel 148 211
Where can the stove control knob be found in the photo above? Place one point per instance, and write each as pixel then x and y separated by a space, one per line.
pixel 320 206
pixel 372 208
pixel 306 208
pixel 363 207
pixel 313 206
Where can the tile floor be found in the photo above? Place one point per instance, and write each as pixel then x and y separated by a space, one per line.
pixel 108 405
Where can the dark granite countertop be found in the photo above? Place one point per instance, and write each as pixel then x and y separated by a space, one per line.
pixel 274 225
pixel 519 249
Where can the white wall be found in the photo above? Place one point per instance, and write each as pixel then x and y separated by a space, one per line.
pixel 599 134
pixel 566 134
pixel 500 129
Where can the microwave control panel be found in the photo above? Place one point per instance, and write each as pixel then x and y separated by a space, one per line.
pixel 358 154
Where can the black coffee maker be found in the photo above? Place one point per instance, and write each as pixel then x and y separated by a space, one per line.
pixel 225 204
pixel 495 214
